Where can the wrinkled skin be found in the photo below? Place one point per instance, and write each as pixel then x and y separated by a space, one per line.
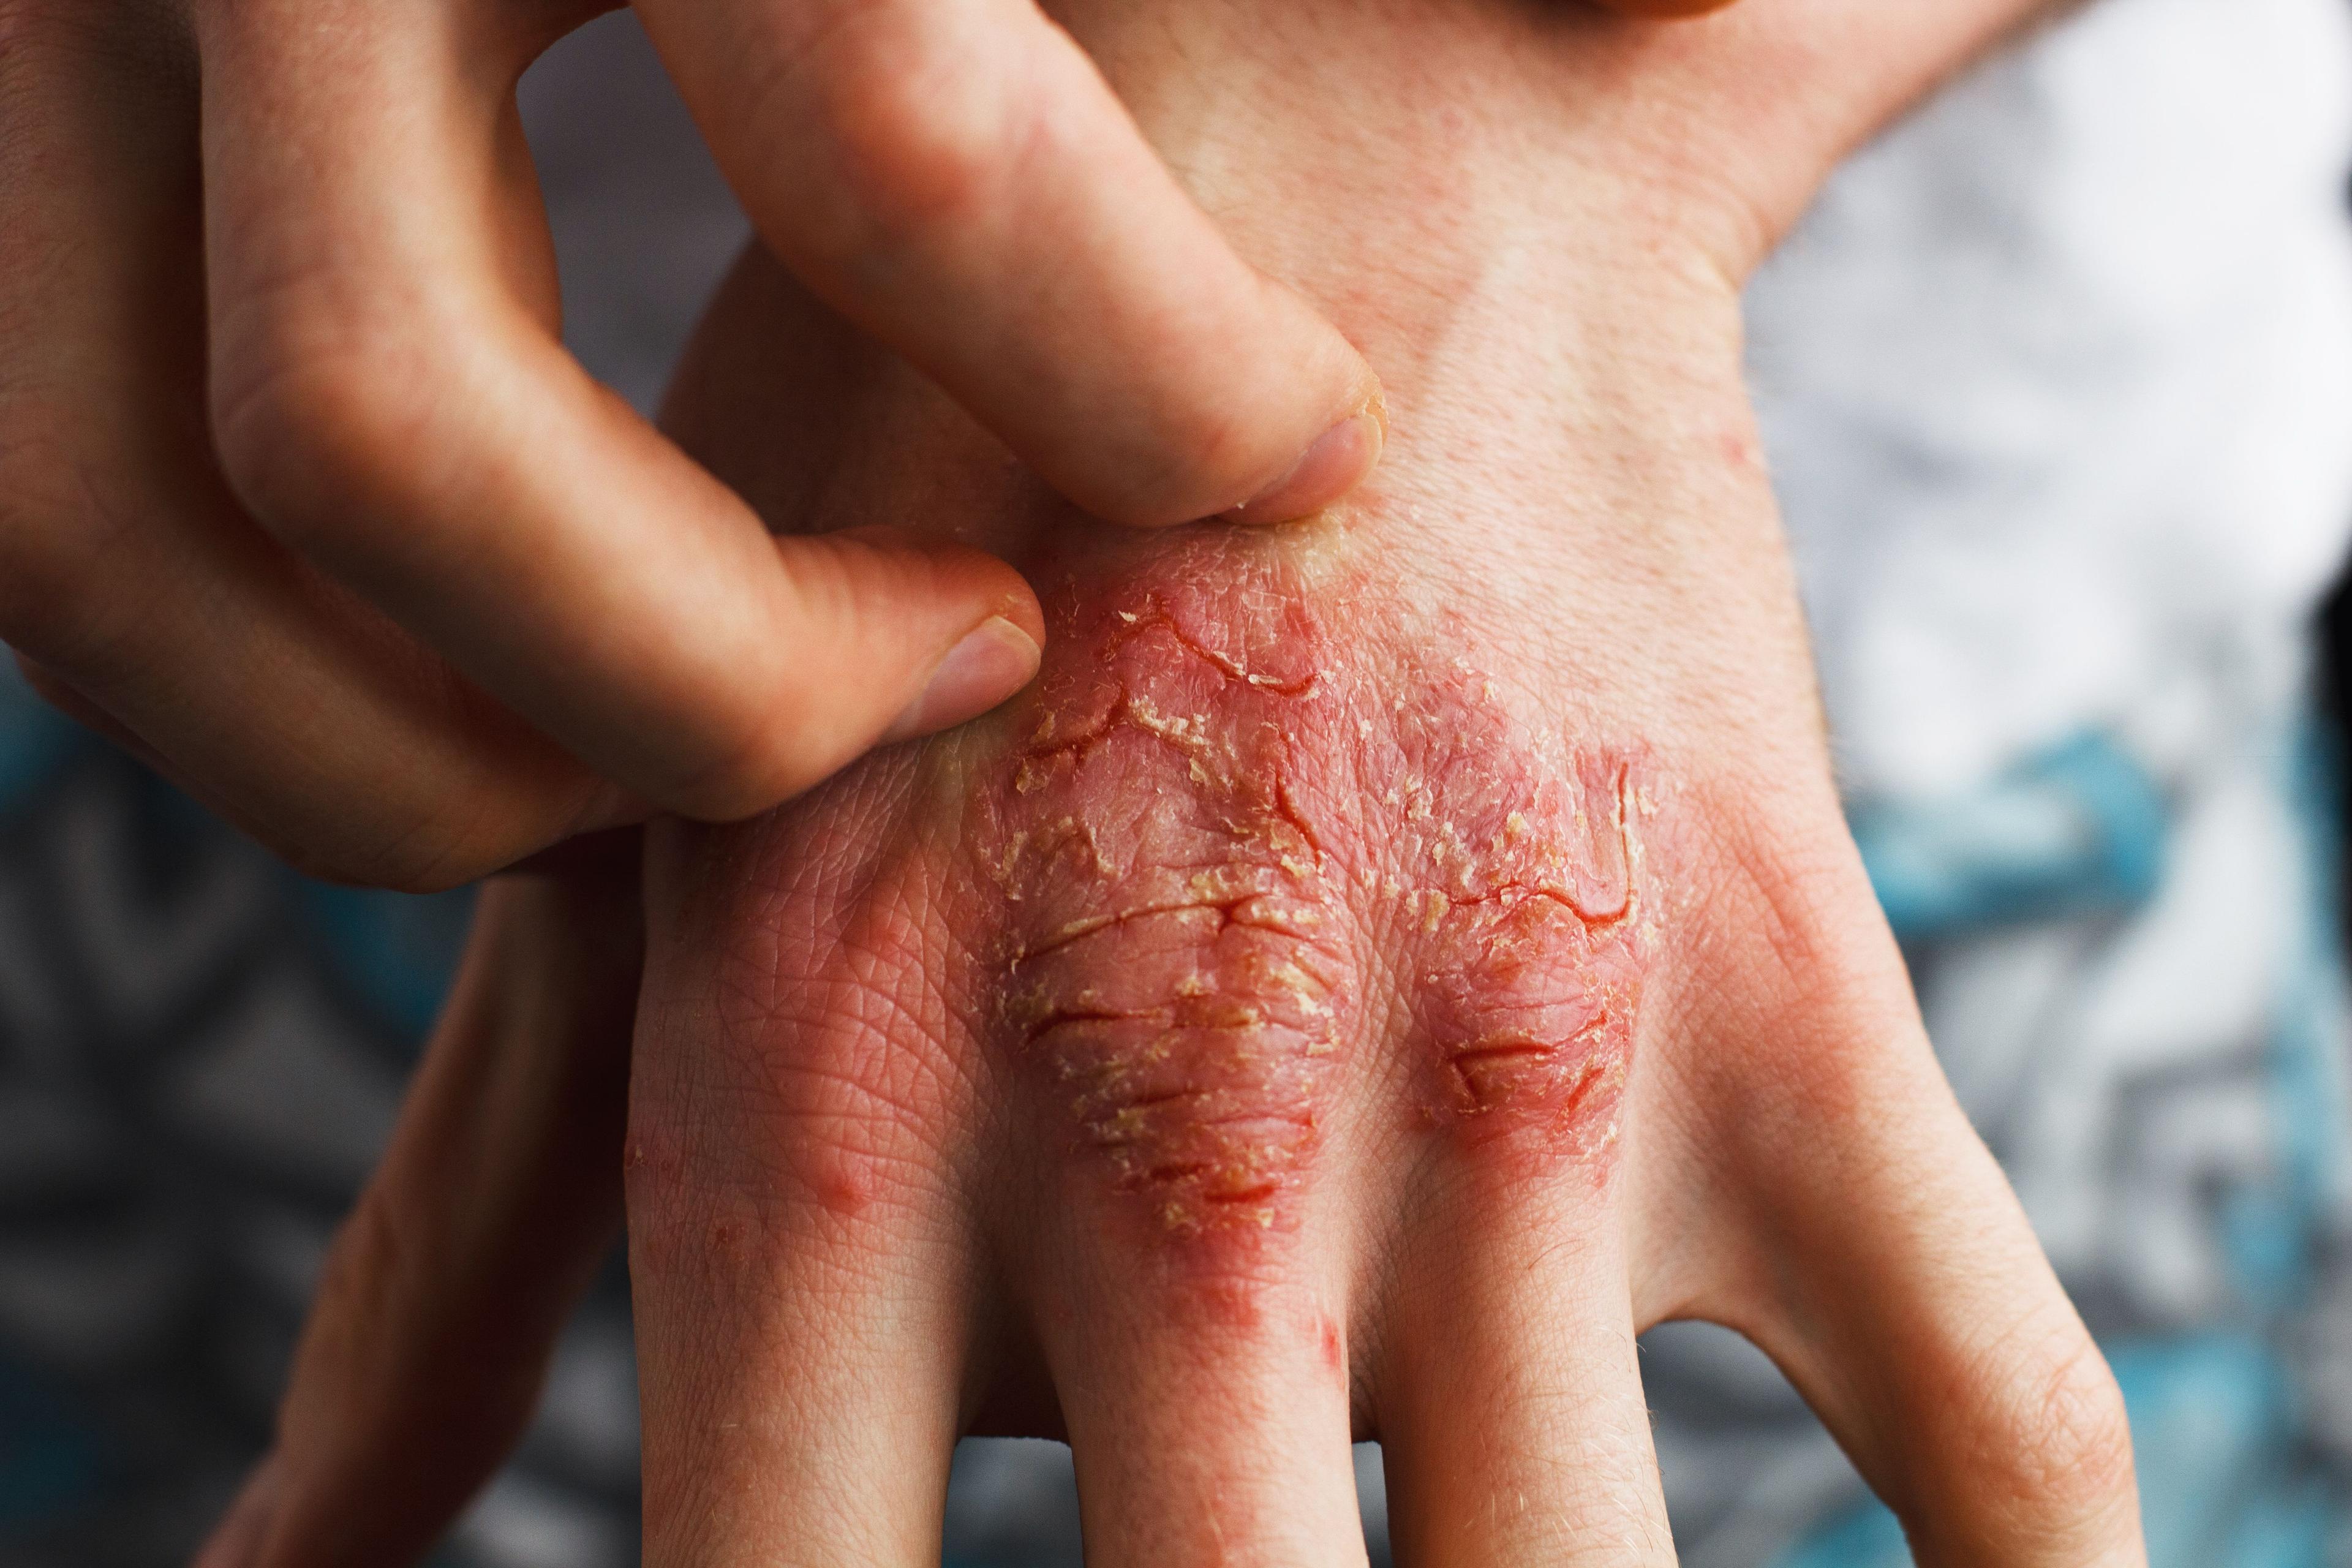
pixel 1379 967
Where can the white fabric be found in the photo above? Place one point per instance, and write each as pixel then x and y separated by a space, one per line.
pixel 2057 382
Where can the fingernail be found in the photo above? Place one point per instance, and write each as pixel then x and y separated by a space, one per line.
pixel 995 659
pixel 1335 464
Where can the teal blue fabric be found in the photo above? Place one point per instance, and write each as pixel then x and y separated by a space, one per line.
pixel 2077 829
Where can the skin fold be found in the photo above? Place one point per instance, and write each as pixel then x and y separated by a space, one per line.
pixel 1377 968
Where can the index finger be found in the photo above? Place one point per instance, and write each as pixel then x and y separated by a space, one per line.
pixel 389 399
pixel 957 177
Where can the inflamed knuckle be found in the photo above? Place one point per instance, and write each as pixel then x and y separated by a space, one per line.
pixel 814 1086
pixel 862 1091
pixel 1212 807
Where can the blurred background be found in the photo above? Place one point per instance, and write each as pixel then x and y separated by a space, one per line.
pixel 2057 384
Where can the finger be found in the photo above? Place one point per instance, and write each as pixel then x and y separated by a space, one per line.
pixel 800 1280
pixel 1204 1389
pixel 1186 1299
pixel 1880 1258
pixel 1925 1325
pixel 1186 1286
pixel 445 1291
pixel 956 176
pixel 153 607
pixel 45 685
pixel 1512 1427
pixel 1663 8
pixel 390 399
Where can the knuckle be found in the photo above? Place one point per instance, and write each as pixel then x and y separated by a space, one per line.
pixel 1182 985
pixel 369 1273
pixel 1791 933
pixel 1538 963
pixel 866 1089
pixel 366 1261
pixel 1778 888
pixel 818 1086
pixel 919 135
pixel 381 1308
pixel 1177 989
pixel 2056 1445
pixel 319 439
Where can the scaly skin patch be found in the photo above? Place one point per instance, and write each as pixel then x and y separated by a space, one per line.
pixel 1228 836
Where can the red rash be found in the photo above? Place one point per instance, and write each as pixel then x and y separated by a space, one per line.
pixel 1231 832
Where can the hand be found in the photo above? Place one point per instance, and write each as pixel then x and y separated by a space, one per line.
pixel 1380 967
pixel 419 599
pixel 1378 970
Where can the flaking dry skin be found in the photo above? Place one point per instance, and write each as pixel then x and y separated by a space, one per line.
pixel 1210 816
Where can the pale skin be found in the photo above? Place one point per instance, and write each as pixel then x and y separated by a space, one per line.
pixel 300 496
pixel 302 499
pixel 1377 968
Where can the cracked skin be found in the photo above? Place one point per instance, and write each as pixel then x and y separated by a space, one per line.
pixel 1232 830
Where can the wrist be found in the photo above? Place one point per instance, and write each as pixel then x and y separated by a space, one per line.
pixel 1753 108
pixel 1695 142
pixel 1336 141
